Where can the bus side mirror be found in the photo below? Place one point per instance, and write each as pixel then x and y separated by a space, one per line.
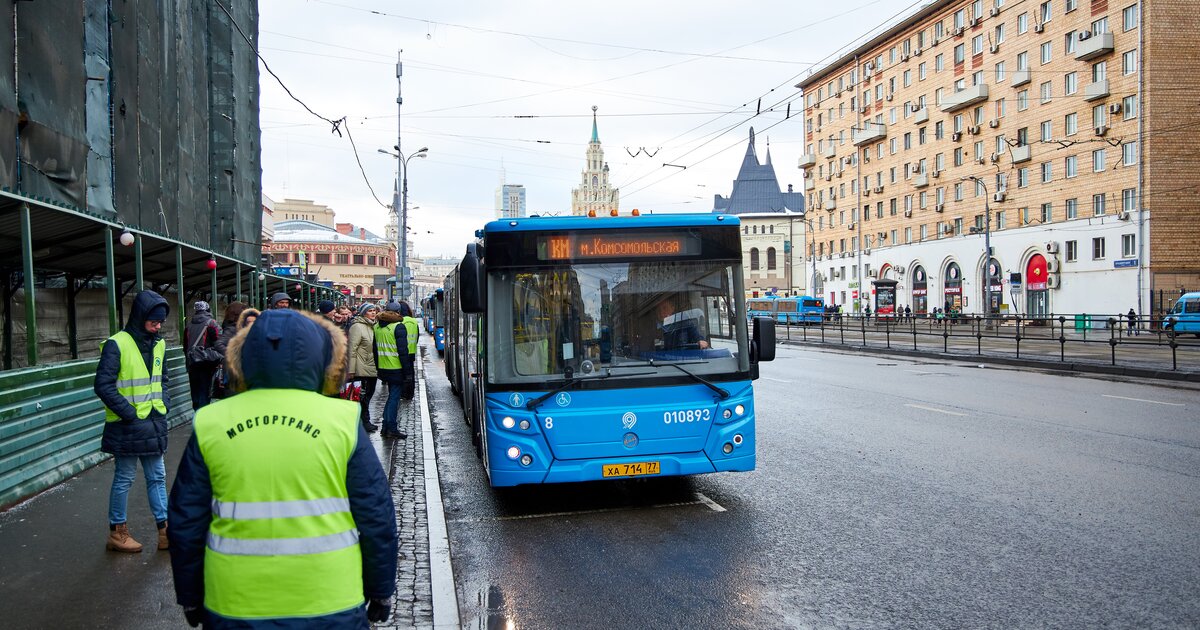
pixel 470 278
pixel 763 340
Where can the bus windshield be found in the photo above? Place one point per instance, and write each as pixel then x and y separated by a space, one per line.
pixel 593 320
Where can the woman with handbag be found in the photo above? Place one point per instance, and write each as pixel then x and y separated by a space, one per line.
pixel 361 360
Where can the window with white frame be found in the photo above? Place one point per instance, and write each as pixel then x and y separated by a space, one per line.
pixel 1129 153
pixel 1071 166
pixel 1000 72
pixel 1047 131
pixel 998 38
pixel 921 71
pixel 1129 62
pixel 1022 23
pixel 1129 200
pixel 958 191
pixel 939 63
pixel 1044 12
pixel 1069 42
pixel 1099 71
pixel 1098 248
pixel 960 53
pixel 1000 220
pixel 1022 61
pixel 1128 246
pixel 1129 17
pixel 1071 124
pixel 1047 91
pixel 1022 177
pixel 1071 6
pixel 1047 212
pixel 907 235
pixel 1098 161
pixel 1098 209
pixel 1099 116
pixel 1070 83
pixel 1022 100
pixel 1100 26
pixel 1129 107
pixel 977 45
pixel 1047 52
pixel 1047 172
pixel 1071 208
pixel 1072 251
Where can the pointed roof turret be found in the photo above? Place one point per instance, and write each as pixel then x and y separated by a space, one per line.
pixel 595 133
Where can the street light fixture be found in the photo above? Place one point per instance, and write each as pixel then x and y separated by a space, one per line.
pixel 987 247
pixel 402 218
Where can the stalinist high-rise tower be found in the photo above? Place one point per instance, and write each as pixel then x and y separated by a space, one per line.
pixel 594 192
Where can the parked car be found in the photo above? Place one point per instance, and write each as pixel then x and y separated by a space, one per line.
pixel 1185 316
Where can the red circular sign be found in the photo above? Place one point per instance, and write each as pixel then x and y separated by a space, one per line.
pixel 1035 273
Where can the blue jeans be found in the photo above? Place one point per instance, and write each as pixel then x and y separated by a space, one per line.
pixel 156 486
pixel 391 409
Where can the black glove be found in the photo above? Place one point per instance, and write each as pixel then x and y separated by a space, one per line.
pixel 379 610
pixel 195 615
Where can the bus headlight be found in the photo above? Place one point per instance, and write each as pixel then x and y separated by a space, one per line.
pixel 738 439
pixel 524 425
pixel 514 452
pixel 526 459
pixel 727 414
pixel 739 410
pixel 508 422
pixel 727 448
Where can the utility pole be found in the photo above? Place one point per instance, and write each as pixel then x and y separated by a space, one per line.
pixel 401 191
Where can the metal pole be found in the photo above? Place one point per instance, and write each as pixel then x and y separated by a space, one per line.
pixel 111 268
pixel 401 214
pixel 31 346
pixel 401 280
pixel 181 313
pixel 72 320
pixel 238 289
pixel 212 298
pixel 137 262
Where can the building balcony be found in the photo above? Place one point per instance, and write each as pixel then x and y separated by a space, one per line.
pixel 965 98
pixel 810 182
pixel 807 160
pixel 1020 154
pixel 1094 46
pixel 1095 91
pixel 831 204
pixel 871 132
pixel 920 180
pixel 829 151
pixel 921 115
pixel 1020 77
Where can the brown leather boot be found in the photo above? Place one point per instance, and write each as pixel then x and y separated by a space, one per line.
pixel 162 538
pixel 120 540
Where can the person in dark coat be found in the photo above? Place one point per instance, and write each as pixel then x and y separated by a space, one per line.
pixel 202 331
pixel 229 328
pixel 131 435
pixel 281 300
pixel 291 363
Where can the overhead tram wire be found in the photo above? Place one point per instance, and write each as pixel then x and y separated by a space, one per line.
pixel 335 125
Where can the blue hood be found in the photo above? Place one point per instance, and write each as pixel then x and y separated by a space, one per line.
pixel 143 302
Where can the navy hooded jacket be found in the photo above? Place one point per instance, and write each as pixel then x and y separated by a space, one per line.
pixel 131 436
pixel 286 349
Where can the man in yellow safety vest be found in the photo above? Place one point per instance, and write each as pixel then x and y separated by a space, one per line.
pixel 281 514
pixel 131 381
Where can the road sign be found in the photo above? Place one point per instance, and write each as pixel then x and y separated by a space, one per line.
pixel 1125 263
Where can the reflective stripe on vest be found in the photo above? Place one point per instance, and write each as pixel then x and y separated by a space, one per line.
pixel 282 542
pixel 385 347
pixel 137 385
pixel 414 328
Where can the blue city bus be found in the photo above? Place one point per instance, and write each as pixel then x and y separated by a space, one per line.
pixel 605 348
pixel 427 313
pixel 801 309
pixel 437 320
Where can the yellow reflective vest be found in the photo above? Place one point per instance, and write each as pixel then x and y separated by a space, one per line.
pixel 141 387
pixel 282 542
pixel 386 347
pixel 414 328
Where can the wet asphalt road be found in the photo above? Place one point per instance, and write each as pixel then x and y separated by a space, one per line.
pixel 889 493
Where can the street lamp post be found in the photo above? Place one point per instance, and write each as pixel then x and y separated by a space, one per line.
pixel 987 247
pixel 402 217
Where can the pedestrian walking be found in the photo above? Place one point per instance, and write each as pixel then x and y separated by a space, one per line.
pixel 1133 320
pixel 202 358
pixel 867 313
pixel 361 362
pixel 408 356
pixel 908 313
pixel 328 310
pixel 285 519
pixel 389 366
pixel 280 300
pixel 131 381
pixel 229 328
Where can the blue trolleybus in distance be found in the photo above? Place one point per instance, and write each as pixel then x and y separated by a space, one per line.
pixel 606 348
pixel 437 320
pixel 801 309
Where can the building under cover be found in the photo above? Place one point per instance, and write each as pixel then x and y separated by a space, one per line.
pixel 756 188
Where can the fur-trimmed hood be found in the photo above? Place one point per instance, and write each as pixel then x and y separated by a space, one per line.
pixel 286 349
pixel 247 313
pixel 388 317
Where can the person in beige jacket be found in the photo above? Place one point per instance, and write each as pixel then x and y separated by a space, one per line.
pixel 361 359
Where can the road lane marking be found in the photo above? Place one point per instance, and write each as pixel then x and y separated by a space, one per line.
pixel 777 380
pixel 1157 402
pixel 919 372
pixel 712 505
pixel 945 411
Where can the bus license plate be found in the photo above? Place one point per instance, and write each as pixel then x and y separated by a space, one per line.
pixel 636 469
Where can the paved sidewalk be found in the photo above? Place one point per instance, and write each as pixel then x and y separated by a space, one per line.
pixel 55 572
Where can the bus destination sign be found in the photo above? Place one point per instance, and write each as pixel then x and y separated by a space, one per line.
pixel 582 246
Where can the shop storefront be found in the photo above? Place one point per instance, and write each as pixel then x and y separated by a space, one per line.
pixel 920 291
pixel 1037 294
pixel 953 289
pixel 995 287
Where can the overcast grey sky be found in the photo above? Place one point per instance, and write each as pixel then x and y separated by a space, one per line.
pixel 487 83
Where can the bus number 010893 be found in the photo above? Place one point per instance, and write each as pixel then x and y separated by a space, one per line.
pixel 687 415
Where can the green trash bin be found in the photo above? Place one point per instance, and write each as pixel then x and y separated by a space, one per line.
pixel 1083 322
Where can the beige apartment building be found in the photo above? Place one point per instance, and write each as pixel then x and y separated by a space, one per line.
pixel 1044 115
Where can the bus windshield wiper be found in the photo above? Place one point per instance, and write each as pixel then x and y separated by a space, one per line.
pixel 678 365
